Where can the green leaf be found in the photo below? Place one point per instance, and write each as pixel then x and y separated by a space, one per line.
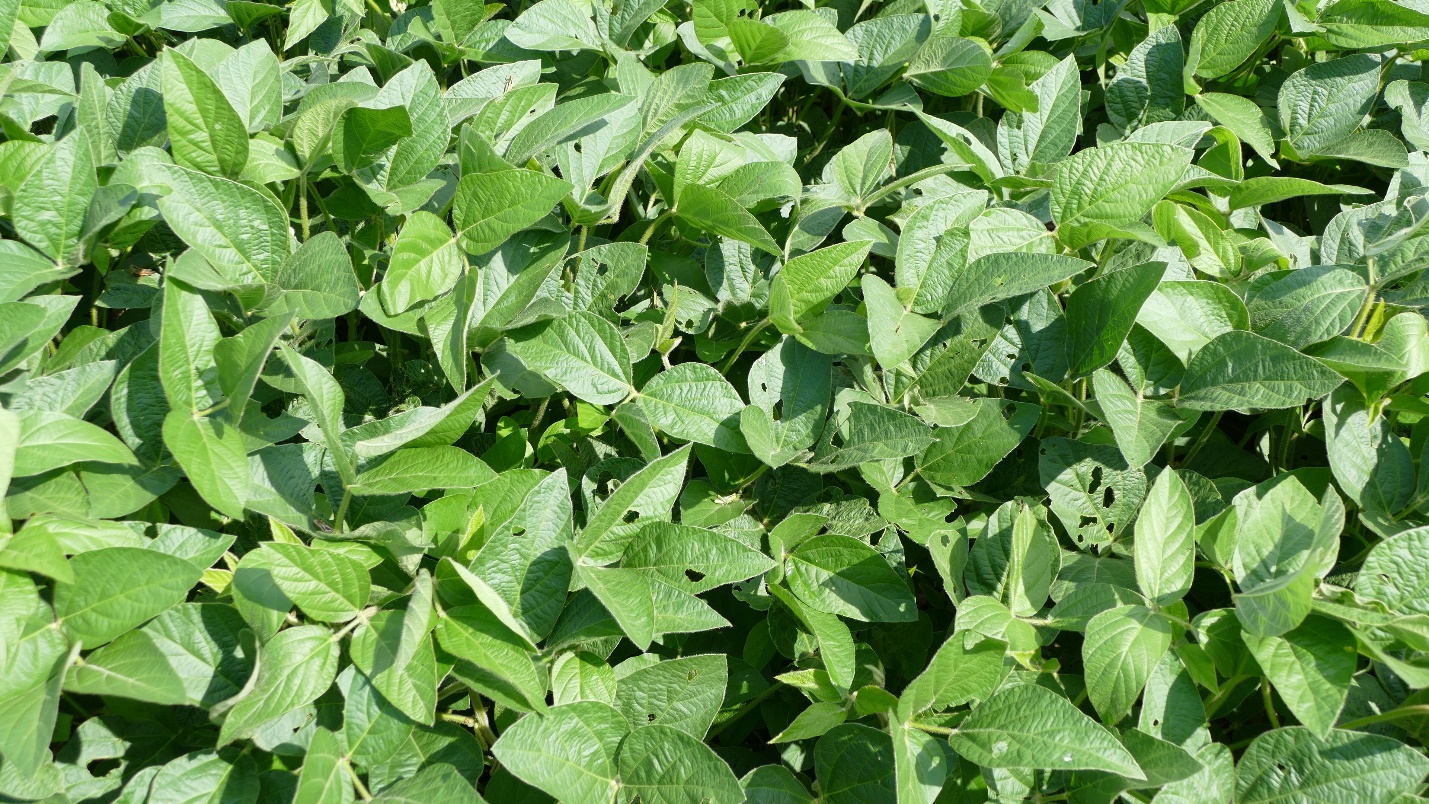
pixel 50 205
pixel 327 400
pixel 694 402
pixel 362 134
pixel 1294 763
pixel 1311 668
pixel 1300 308
pixel 1122 646
pixel 205 133
pixel 493 658
pixel 1140 425
pixel 921 765
pixel 683 694
pixel 582 351
pixel 1150 89
pixel 211 453
pixel 116 589
pixel 422 468
pixel 1239 370
pixel 1165 547
pixel 1371 464
pixel 1324 103
pixel 323 779
pixel 395 652
pixel 662 765
pixel 425 264
pixel 679 553
pixel 50 440
pixel 809 281
pixel 1187 315
pixel 995 277
pixel 34 663
pixel 870 433
pixel 1245 119
pixel 491 207
pixel 836 647
pixel 1261 190
pixel 1100 314
pixel 796 381
pixel 814 721
pixel 1046 134
pixel 230 224
pixel 950 66
pixel 1027 726
pixel 569 752
pixel 1285 541
pixel 527 562
pixel 326 585
pixel 649 492
pixel 317 280
pixel 841 575
pixel 217 776
pixel 963 669
pixel 434 782
pixel 712 210
pixel 1099 191
pixel 961 456
pixel 1391 578
pixel 1229 33
pixel 294 668
pixel 194 653
pixel 566 122
pixel 894 332
pixel 856 764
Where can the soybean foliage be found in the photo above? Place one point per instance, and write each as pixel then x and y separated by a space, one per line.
pixel 851 401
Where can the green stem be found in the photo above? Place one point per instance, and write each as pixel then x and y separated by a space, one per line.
pixel 1418 710
pixel 930 728
pixel 828 132
pixel 1269 703
pixel 744 709
pixel 1202 438
pixel 655 224
pixel 1227 687
pixel 362 791
pixel 910 179
pixel 340 523
pixel 303 203
pixel 1358 329
pixel 744 344
pixel 1362 317
pixel 540 414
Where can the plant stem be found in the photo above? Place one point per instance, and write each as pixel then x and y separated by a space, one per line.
pixel 340 524
pixel 1417 710
pixel 828 132
pixel 362 791
pixel 1202 438
pixel 930 728
pixel 303 203
pixel 1269 703
pixel 1362 317
pixel 744 709
pixel 744 344
pixel 655 224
